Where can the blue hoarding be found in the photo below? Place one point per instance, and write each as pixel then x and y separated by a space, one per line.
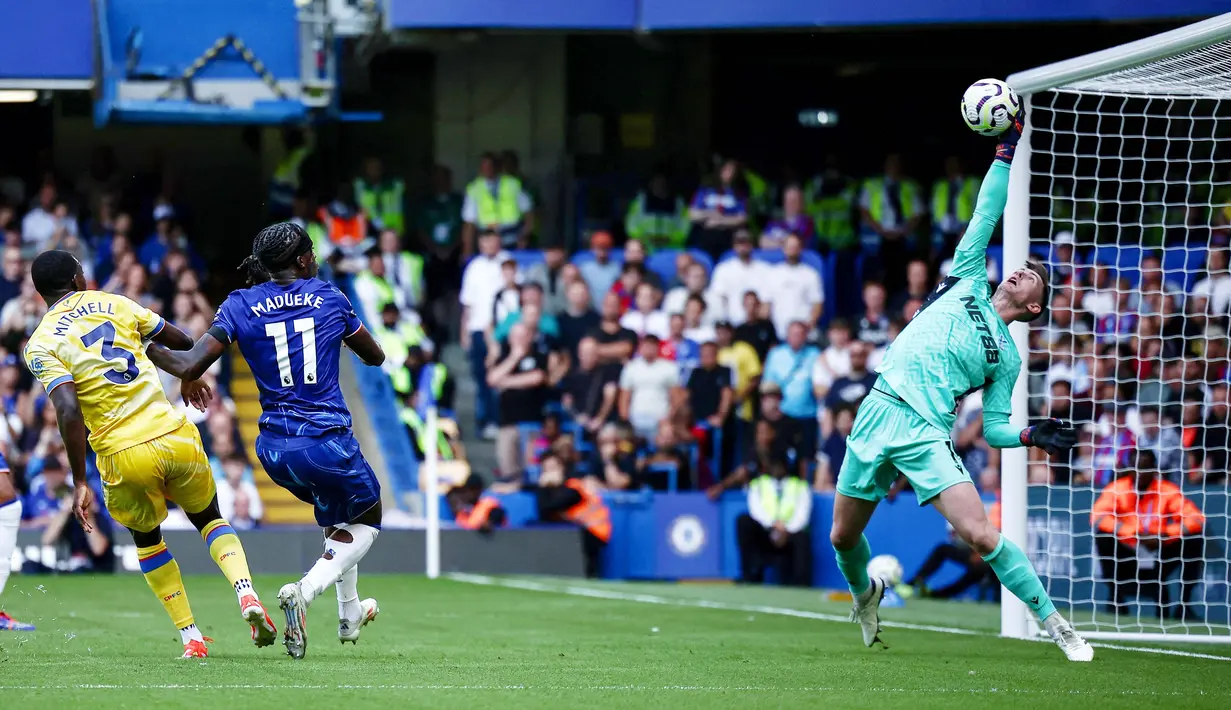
pixel 542 14
pixel 49 40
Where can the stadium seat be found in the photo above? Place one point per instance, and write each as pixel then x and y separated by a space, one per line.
pixel 1183 266
pixel 662 262
pixel 581 257
pixel 671 471
pixel 526 258
pixel 769 256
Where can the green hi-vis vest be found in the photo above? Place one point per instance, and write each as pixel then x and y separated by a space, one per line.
pixel 418 427
pixel 831 213
pixel 384 203
pixel 779 508
pixel 498 210
pixel 382 288
pixel 657 230
pixel 415 263
pixel 908 194
pixel 396 347
pixel 285 181
pixel 320 241
pixel 964 205
pixel 760 199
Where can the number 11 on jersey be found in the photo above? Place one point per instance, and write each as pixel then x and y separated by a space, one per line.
pixel 306 327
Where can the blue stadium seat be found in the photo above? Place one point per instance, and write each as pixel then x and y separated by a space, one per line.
pixel 586 255
pixel 1182 265
pixel 662 262
pixel 769 256
pixel 526 258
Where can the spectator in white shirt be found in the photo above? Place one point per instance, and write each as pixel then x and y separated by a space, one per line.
pixel 481 282
pixel 735 277
pixel 646 318
pixel 697 326
pixel 695 283
pixel 649 389
pixel 795 291
pixel 835 359
pixel 1099 298
pixel 238 498
pixel 1212 294
pixel 41 223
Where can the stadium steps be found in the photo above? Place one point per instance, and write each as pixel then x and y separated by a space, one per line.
pixel 281 508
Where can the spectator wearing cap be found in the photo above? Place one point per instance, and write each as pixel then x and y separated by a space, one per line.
pixel 790 367
pixel 601 272
pixel 717 211
pixel 396 336
pixel 745 368
pixel 548 274
pixel 167 235
pixel 793 221
pixel 646 318
pixel 795 291
pixel 481 282
pixel 733 278
pixel 499 203
pixel 649 389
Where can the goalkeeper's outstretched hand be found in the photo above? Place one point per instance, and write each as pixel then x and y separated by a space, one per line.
pixel 1051 435
pixel 1012 134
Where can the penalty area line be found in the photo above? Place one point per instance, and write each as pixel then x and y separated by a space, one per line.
pixel 614 595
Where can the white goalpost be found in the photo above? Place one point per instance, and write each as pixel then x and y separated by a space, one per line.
pixel 1122 186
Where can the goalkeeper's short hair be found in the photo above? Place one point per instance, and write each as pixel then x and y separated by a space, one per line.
pixel 1041 270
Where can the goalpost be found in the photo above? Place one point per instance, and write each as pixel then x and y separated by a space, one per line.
pixel 1125 156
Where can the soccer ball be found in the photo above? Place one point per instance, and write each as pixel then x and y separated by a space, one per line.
pixel 887 568
pixel 989 107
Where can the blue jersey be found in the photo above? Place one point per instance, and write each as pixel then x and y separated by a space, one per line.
pixel 291 335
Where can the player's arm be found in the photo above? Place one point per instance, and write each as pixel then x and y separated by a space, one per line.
pixel 72 429
pixel 970 258
pixel 1051 435
pixel 365 346
pixel 172 337
pixel 189 364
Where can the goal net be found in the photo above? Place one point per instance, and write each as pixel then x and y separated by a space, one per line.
pixel 1122 186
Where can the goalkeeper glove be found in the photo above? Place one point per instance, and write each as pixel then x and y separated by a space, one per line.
pixel 1012 134
pixel 1051 435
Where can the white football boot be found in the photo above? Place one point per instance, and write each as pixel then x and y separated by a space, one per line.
pixel 348 631
pixel 295 633
pixel 867 612
pixel 1074 646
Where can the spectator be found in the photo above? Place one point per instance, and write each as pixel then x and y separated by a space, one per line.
pixel 774 531
pixel 789 366
pixel 793 221
pixel 953 206
pixel 656 217
pixel 508 298
pixel 647 318
pixel 733 278
pixel 874 323
pixel 835 360
pixel 12 273
pixel 679 348
pixel 664 452
pixel 481 282
pixel 850 389
pixel 21 315
pixel 830 198
pixel 238 498
pixel 1061 321
pixel 1153 287
pixel 590 390
pixel 709 387
pixel 383 199
pixel 683 261
pixel 635 253
pixel 1163 442
pixel 544 440
pixel 1208 455
pixel 1099 297
pixel 833 449
pixel 87 551
pixel 649 389
pixel 373 289
pixel 600 273
pixel 1145 531
pixel 520 377
pixel 918 288
pixel 1119 324
pixel 796 292
pixel 758 331
pixel 1211 295
pixel 631 277
pixel 168 235
pixel 439 226
pixel 892 210
pixel 616 465
pixel 496 203
pixel 745 368
pixel 577 319
pixel 697 326
pixel 577 502
pixel 549 277
pixel 615 342
pixel 716 212
pixel 695 284
pixel 403 268
pixel 531 295
pixel 41 222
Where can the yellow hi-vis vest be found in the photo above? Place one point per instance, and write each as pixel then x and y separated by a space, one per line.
pixel 964 204
pixel 831 213
pixel 384 203
pixel 779 508
pixel 395 345
pixel 499 210
pixel 382 287
pixel 908 194
pixel 411 418
pixel 657 230
pixel 285 181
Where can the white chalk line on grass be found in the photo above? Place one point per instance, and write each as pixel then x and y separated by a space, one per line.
pixel 579 591
pixel 611 688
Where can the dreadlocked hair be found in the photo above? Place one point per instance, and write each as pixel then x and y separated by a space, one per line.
pixel 274 249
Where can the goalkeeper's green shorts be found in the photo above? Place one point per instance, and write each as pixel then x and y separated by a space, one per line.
pixel 889 437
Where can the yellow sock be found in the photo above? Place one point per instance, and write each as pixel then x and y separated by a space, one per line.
pixel 162 573
pixel 225 548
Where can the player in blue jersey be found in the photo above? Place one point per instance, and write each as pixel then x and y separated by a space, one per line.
pixel 10 520
pixel 290 327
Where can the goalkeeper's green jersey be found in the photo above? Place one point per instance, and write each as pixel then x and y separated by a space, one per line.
pixel 956 344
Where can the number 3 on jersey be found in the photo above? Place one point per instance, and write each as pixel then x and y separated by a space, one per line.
pixel 306 327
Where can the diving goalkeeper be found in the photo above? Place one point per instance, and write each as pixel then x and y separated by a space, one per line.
pixel 957 343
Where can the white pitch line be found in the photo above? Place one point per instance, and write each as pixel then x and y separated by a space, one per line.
pixel 616 688
pixel 578 591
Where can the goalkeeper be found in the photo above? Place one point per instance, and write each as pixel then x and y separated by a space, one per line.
pixel 958 342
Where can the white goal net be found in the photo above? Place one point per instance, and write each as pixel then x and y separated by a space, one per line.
pixel 1125 193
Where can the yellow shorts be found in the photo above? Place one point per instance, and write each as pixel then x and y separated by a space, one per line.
pixel 138 481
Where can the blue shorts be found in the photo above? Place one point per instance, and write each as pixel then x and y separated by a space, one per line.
pixel 329 472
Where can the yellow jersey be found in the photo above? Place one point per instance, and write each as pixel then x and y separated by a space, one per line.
pixel 743 361
pixel 94 340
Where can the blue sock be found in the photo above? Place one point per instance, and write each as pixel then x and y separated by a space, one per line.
pixel 853 564
pixel 1018 576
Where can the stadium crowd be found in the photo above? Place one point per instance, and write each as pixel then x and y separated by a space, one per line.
pixel 132 238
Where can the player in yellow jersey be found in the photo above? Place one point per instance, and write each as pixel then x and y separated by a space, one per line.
pixel 89 353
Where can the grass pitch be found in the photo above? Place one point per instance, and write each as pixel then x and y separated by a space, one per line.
pixel 105 642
